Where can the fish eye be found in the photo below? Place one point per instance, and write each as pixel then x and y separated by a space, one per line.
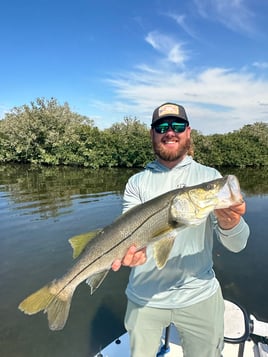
pixel 210 186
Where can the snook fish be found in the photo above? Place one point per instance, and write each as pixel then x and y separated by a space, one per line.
pixel 156 222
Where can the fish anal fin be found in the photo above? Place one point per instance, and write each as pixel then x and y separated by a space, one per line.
pixel 80 241
pixel 162 250
pixel 57 313
pixel 95 280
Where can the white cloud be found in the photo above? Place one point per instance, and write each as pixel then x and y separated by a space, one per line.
pixel 216 99
pixel 173 51
pixel 261 65
pixel 180 19
pixel 233 14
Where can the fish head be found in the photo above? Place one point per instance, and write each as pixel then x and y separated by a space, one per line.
pixel 192 205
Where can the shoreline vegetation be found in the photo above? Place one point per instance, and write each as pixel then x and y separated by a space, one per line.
pixel 47 133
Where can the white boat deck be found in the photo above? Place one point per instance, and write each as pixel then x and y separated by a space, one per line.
pixel 120 348
pixel 237 328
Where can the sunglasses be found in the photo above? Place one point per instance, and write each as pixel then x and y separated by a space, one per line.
pixel 177 127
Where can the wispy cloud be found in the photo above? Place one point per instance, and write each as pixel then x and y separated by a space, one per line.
pixel 261 65
pixel 233 14
pixel 181 20
pixel 173 51
pixel 217 99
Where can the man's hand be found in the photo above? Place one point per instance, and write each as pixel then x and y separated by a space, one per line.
pixel 132 258
pixel 228 218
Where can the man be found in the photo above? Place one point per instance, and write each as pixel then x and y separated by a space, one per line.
pixel 186 292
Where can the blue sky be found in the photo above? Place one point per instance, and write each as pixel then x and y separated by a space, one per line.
pixel 114 58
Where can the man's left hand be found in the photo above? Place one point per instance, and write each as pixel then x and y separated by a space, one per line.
pixel 229 217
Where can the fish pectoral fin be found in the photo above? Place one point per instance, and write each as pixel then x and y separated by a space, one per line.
pixel 162 250
pixel 95 280
pixel 53 304
pixel 80 241
pixel 161 233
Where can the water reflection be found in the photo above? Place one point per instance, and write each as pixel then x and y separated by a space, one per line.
pixel 253 181
pixel 50 192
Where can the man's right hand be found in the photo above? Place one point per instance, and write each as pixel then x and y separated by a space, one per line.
pixel 132 258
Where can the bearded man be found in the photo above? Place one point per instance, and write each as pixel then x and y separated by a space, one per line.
pixel 186 291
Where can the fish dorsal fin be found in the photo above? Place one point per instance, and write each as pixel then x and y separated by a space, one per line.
pixel 95 280
pixel 80 241
pixel 162 249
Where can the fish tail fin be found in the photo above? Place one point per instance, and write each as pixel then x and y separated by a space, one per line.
pixel 58 312
pixel 56 306
pixel 37 301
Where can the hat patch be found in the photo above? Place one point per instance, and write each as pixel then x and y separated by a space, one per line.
pixel 168 109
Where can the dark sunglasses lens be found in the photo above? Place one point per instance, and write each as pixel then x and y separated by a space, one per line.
pixel 176 127
pixel 161 128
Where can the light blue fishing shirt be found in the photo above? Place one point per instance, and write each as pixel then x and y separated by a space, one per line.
pixel 188 276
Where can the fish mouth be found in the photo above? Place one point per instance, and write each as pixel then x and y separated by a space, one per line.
pixel 230 193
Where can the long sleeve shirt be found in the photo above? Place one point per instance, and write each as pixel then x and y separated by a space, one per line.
pixel 188 276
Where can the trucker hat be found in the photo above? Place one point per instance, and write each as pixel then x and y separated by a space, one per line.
pixel 169 110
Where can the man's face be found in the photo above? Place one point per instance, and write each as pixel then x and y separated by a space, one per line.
pixel 171 146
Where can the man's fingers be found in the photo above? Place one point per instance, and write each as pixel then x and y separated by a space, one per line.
pixel 131 259
pixel 116 265
pixel 128 258
pixel 139 258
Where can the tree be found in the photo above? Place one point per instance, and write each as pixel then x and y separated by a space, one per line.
pixel 42 132
pixel 46 132
pixel 130 143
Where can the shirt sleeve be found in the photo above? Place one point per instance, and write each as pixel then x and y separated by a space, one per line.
pixel 131 196
pixel 234 239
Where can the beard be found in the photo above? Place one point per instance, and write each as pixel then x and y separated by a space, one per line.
pixel 170 155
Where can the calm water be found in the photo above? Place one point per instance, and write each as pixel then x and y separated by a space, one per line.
pixel 41 208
